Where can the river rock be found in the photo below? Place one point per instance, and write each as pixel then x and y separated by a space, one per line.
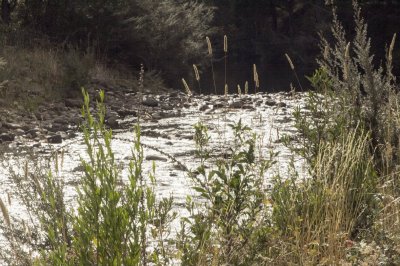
pixel 61 120
pixel 12 125
pixel 218 105
pixel 156 158
pixel 235 104
pixel 7 137
pixel 56 139
pixel 270 103
pixel 281 104
pixel 167 107
pixel 113 122
pixel 19 132
pixel 126 112
pixel 204 107
pixel 150 101
pixel 74 103
pixel 31 134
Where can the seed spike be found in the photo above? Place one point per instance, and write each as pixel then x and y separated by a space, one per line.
pixel 289 61
pixel 196 72
pixel 187 89
pixel 391 47
pixel 225 44
pixel 210 51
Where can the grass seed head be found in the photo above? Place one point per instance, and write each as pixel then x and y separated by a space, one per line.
pixel 239 90
pixel 391 47
pixel 225 44
pixel 226 90
pixel 246 87
pixel 187 89
pixel 196 72
pixel 255 76
pixel 289 61
pixel 210 51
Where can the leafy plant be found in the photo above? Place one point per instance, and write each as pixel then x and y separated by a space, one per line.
pixel 232 196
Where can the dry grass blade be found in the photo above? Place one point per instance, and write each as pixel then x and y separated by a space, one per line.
pixel 326 52
pixel 6 215
pixel 226 90
pixel 346 62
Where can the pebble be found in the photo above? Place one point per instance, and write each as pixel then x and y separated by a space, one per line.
pixel 56 139
pixel 7 137
pixel 156 158
pixel 150 101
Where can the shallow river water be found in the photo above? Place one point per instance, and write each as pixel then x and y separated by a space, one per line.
pixel 269 116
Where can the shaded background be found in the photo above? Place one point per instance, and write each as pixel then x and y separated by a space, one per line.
pixel 168 36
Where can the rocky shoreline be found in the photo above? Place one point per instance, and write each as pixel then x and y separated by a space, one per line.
pixel 59 121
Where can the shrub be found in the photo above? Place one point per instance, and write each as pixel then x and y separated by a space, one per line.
pixel 112 223
pixel 225 226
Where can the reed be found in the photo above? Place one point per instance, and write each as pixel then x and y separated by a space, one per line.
pixel 293 69
pixel 186 86
pixel 210 54
pixel 197 76
pixel 225 56
pixel 346 62
pixel 255 79
pixel 391 47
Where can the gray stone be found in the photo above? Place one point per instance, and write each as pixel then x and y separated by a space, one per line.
pixel 270 103
pixel 19 132
pixel 112 122
pixel 75 103
pixel 56 139
pixel 7 137
pixel 156 158
pixel 203 107
pixel 281 104
pixel 150 101
pixel 167 107
pixel 235 104
pixel 126 112
pixel 12 125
